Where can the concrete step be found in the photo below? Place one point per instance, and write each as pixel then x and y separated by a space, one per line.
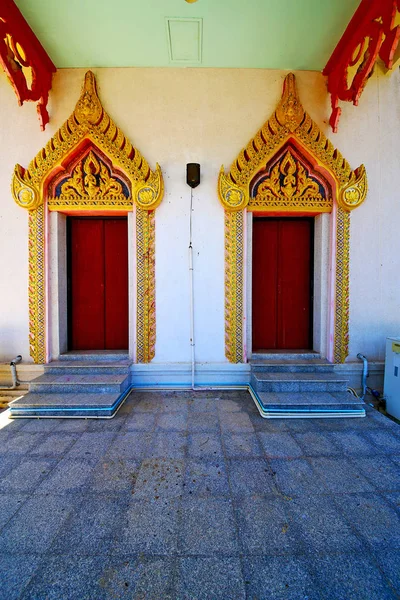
pixel 285 355
pixel 80 384
pixel 309 404
pixel 67 405
pixel 290 366
pixel 84 367
pixel 75 384
pixel 298 382
pixel 95 355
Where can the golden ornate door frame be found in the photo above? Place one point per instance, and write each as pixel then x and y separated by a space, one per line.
pixel 288 186
pixel 90 167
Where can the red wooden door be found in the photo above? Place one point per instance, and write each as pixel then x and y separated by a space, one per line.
pixel 98 277
pixel 282 283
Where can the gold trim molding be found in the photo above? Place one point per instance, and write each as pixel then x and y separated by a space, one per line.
pixel 88 135
pixel 145 267
pixel 37 286
pixel 288 188
pixel 234 285
pixel 342 277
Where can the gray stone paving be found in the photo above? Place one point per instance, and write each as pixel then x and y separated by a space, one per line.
pixel 187 496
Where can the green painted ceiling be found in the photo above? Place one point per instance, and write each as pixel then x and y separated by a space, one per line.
pixel 272 34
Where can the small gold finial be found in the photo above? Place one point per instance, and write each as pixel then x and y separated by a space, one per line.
pixel 89 107
pixel 290 112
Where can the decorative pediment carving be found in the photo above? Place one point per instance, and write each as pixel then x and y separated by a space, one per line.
pixel 290 125
pixel 91 179
pixel 289 179
pixel 91 184
pixel 287 186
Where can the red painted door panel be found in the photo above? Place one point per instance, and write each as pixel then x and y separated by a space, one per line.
pixel 98 298
pixel 116 283
pixel 86 306
pixel 282 283
pixel 265 283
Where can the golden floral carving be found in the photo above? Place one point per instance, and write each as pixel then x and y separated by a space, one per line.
pixel 36 286
pixel 90 187
pixel 342 301
pixel 121 204
pixel 149 195
pixel 354 193
pixel 145 266
pixel 234 278
pixel 88 108
pixel 289 189
pixel 233 197
pixel 91 179
pixel 290 112
pixel 272 204
pixel 295 183
pixel 25 195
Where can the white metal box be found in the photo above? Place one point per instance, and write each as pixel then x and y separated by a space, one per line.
pixel 392 376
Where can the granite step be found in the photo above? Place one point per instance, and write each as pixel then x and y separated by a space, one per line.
pixel 86 367
pixel 74 384
pixel 80 384
pixel 298 382
pixel 79 405
pixel 285 355
pixel 309 404
pixel 290 366
pixel 95 355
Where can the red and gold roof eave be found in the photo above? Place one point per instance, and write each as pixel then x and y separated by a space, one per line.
pixel 372 34
pixel 20 49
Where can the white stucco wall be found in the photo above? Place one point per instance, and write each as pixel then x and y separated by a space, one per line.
pixel 175 116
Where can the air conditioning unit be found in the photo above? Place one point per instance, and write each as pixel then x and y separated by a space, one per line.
pixel 392 376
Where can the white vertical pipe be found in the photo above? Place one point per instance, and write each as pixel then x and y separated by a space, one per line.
pixel 191 288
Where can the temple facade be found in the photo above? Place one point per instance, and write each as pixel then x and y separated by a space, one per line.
pixel 294 242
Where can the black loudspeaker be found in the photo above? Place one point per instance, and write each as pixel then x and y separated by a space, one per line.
pixel 193 174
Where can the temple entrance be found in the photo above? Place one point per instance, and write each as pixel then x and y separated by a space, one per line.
pixel 282 283
pixel 97 283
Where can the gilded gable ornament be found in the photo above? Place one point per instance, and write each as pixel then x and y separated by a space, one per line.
pixel 91 123
pixel 290 122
